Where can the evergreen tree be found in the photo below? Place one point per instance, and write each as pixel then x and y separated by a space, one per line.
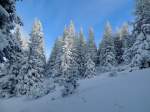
pixel 69 67
pixel 22 41
pixel 66 68
pixel 125 36
pixel 17 33
pixel 141 51
pixel 8 19
pixel 142 17
pixel 81 54
pixel 127 41
pixel 56 70
pixel 91 46
pixel 107 52
pixel 52 60
pixel 118 45
pixel 10 52
pixel 10 73
pixel 141 54
pixel 11 70
pixel 37 45
pixel 32 71
pixel 90 67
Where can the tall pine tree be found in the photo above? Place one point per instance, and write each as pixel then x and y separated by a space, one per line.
pixel 8 19
pixel 90 69
pixel 66 68
pixel 91 46
pixel 118 45
pixel 10 52
pixel 107 51
pixel 52 59
pixel 32 71
pixel 141 47
pixel 81 54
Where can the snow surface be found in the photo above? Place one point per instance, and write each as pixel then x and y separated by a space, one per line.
pixel 125 92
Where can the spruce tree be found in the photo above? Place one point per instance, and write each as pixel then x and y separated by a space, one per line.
pixel 11 73
pixel 142 17
pixel 66 68
pixel 91 46
pixel 8 19
pixel 52 59
pixel 36 45
pixel 141 51
pixel 107 51
pixel 125 36
pixel 141 47
pixel 17 33
pixel 118 45
pixel 22 41
pixel 90 70
pixel 81 54
pixel 127 41
pixel 11 54
pixel 69 67
pixel 32 71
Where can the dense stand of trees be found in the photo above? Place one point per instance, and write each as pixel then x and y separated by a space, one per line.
pixel 23 66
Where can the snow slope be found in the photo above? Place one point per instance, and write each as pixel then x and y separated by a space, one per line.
pixel 126 92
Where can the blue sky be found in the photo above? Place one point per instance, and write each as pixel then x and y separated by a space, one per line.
pixel 54 14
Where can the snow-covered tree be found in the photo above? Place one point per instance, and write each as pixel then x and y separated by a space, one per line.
pixel 17 33
pixel 118 45
pixel 36 45
pixel 142 17
pixel 10 74
pixel 81 54
pixel 127 41
pixel 22 41
pixel 141 51
pixel 57 68
pixel 66 68
pixel 91 46
pixel 141 47
pixel 90 67
pixel 32 71
pixel 71 30
pixel 107 51
pixel 8 19
pixel 125 36
pixel 52 59
pixel 10 52
pixel 69 67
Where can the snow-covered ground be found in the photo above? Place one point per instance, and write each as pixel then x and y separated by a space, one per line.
pixel 126 92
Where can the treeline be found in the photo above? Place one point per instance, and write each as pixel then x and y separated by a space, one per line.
pixel 23 66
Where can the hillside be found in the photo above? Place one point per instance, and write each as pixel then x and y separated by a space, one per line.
pixel 125 92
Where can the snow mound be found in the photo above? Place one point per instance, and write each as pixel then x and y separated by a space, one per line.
pixel 126 92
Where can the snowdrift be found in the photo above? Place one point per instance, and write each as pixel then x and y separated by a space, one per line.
pixel 126 92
